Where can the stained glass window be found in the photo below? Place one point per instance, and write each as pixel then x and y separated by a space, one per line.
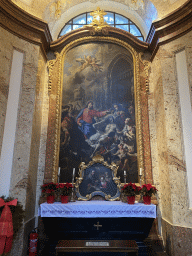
pixel 113 19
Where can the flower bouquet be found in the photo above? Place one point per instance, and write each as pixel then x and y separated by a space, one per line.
pixel 147 190
pixel 130 190
pixel 48 190
pixel 64 190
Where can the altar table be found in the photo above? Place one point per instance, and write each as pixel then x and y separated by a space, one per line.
pixel 97 209
pixel 97 220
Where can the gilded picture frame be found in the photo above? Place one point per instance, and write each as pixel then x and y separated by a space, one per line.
pixel 56 68
pixel 98 178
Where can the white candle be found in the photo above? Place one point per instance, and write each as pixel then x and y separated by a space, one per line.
pixel 59 171
pixel 125 173
pixel 73 177
pixel 140 171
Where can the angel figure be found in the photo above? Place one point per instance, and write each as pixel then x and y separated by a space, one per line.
pixel 88 61
pixel 95 65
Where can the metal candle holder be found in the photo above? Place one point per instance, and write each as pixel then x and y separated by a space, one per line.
pixel 72 194
pixel 125 174
pixel 140 181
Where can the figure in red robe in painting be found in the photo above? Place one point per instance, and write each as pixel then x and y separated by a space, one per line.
pixel 85 119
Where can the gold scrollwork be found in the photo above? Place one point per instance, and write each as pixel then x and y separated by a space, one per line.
pixel 58 121
pixel 146 70
pixel 59 73
pixel 50 66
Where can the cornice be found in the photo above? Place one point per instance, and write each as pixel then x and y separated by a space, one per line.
pixel 24 25
pixel 171 27
pixel 138 45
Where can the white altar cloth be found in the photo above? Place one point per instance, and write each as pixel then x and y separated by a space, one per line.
pixel 97 209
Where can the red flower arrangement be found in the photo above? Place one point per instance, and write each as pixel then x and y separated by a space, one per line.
pixel 48 188
pixel 64 189
pixel 148 190
pixel 130 189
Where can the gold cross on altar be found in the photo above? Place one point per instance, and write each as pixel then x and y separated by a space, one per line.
pixel 98 226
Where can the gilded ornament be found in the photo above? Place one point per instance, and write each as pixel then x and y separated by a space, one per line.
pixel 146 69
pixel 97 191
pixel 50 68
pixel 98 25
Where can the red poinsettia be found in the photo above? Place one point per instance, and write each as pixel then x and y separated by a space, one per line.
pixel 64 189
pixel 130 189
pixel 48 188
pixel 148 190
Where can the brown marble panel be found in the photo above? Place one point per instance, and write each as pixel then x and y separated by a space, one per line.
pixel 177 240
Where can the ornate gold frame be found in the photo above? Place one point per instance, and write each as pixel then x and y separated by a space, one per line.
pixel 95 160
pixel 56 73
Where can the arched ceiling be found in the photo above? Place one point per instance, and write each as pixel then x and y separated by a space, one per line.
pixel 57 12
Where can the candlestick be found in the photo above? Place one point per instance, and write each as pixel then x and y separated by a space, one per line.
pixel 140 175
pixel 73 177
pixel 125 177
pixel 59 171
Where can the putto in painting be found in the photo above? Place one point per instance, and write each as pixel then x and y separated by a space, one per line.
pixel 98 109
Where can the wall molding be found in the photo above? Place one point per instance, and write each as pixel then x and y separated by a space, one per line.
pixel 171 27
pixel 24 25
pixel 35 30
pixel 60 43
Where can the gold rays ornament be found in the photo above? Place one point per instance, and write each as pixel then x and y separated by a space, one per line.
pixel 98 22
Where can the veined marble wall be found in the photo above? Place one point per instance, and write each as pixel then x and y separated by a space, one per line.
pixel 168 160
pixel 30 140
pixel 5 71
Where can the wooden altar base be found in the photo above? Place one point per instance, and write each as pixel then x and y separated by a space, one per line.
pixel 126 246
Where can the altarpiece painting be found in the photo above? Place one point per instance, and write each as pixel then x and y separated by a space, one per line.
pixel 98 109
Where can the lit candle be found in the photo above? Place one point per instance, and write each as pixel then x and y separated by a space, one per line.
pixel 140 171
pixel 125 173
